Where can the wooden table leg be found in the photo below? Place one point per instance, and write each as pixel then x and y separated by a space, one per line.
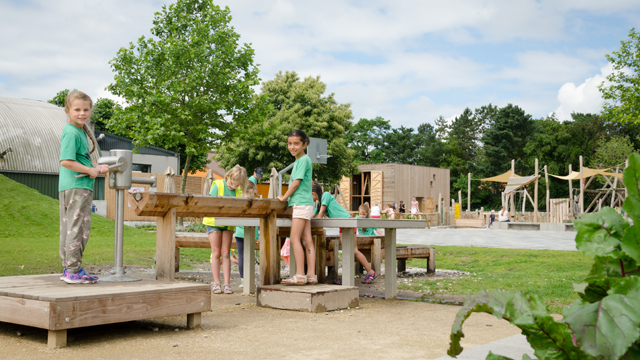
pixel 165 246
pixel 57 339
pixel 194 320
pixel 390 285
pixel 249 253
pixel 321 256
pixel 376 256
pixel 269 252
pixel 348 257
pixel 333 270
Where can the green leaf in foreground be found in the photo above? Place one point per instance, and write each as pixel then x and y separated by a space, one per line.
pixel 607 328
pixel 631 180
pixel 631 243
pixel 600 234
pixel 548 338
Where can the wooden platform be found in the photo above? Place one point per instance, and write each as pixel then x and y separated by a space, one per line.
pixel 45 302
pixel 311 298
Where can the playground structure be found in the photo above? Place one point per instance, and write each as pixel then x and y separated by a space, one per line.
pixel 582 200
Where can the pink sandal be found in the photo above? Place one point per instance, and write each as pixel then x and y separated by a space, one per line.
pixel 294 280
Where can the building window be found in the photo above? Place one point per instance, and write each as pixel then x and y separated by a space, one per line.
pixel 141 168
pixel 431 183
pixel 434 177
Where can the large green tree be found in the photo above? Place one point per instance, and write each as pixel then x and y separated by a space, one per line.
pixel 295 104
pixel 430 151
pixel 366 137
pixel 622 97
pixel 60 98
pixel 187 87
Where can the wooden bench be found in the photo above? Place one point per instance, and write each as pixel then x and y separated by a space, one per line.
pixel 372 247
pixel 198 241
pixel 470 222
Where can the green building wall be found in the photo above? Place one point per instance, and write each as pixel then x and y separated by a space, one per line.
pixel 47 184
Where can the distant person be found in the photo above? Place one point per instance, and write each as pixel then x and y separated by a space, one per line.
pixel 76 194
pixel 256 176
pixel 492 218
pixel 375 211
pixel 503 216
pixel 364 213
pixel 402 208
pixel 389 211
pixel 414 207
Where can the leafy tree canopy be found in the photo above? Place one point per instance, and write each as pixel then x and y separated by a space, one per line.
pixel 366 137
pixel 187 87
pixel 622 97
pixel 300 105
pixel 60 98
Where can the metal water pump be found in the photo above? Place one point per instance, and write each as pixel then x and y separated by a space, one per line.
pixel 120 179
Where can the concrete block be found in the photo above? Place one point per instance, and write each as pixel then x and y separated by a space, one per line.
pixel 309 298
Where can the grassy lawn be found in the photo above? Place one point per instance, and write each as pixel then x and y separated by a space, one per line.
pixel 546 273
pixel 29 245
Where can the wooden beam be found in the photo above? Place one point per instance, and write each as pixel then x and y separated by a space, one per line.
pixel 581 187
pixel 570 193
pixel 186 205
pixel 194 320
pixel 535 195
pixel 390 282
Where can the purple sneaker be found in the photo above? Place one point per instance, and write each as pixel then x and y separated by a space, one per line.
pixel 71 278
pixel 63 275
pixel 87 278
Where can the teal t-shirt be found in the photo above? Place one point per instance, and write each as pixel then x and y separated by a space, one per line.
pixel 74 145
pixel 334 209
pixel 366 231
pixel 302 170
pixel 253 179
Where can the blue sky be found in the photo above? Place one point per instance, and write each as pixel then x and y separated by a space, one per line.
pixel 407 61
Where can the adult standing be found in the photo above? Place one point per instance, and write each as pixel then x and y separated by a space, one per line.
pixel 375 211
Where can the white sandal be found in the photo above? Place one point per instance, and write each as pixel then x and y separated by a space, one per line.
pixel 294 280
pixel 311 280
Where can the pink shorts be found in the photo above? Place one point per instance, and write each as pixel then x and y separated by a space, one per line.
pixel 302 212
pixel 375 216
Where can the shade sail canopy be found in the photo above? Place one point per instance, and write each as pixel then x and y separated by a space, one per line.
pixel 516 183
pixel 501 178
pixel 575 175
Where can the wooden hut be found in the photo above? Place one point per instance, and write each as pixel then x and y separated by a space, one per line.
pixel 391 183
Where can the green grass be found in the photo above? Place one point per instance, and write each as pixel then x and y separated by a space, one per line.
pixel 546 273
pixel 29 236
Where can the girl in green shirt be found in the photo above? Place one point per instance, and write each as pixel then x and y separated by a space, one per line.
pixel 299 197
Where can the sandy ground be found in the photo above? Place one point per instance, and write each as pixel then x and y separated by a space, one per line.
pixel 237 329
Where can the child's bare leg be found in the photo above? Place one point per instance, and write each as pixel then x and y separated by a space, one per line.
pixel 363 260
pixel 215 238
pixel 297 226
pixel 226 261
pixel 311 250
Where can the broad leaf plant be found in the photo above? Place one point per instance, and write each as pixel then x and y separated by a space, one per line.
pixel 605 322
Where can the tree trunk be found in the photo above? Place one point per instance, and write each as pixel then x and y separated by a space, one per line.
pixel 183 184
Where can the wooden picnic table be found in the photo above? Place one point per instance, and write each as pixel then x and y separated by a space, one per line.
pixel 167 206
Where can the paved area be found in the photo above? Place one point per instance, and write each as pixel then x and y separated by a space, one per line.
pixel 506 239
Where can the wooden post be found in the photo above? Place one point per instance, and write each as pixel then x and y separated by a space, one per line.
pixel 440 210
pixel 546 180
pixel 249 281
pixel 57 339
pixel 431 264
pixel 570 193
pixel 581 187
pixel 349 257
pixel 469 192
pixel 460 202
pixel 535 195
pixel 269 254
pixel 376 255
pixel 615 186
pixel 512 203
pixel 194 320
pixel 166 246
pixel 333 272
pixel 390 285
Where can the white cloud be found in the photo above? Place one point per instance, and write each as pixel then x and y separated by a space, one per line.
pixel 584 98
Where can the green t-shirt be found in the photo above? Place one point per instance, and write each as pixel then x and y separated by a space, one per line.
pixel 240 232
pixel 74 145
pixel 334 209
pixel 253 179
pixel 366 231
pixel 227 192
pixel 302 170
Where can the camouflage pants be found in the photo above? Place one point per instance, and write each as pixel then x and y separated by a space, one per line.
pixel 75 226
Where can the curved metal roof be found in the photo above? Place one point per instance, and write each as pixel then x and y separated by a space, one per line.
pixel 32 130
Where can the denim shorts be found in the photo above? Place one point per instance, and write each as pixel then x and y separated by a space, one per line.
pixel 214 229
